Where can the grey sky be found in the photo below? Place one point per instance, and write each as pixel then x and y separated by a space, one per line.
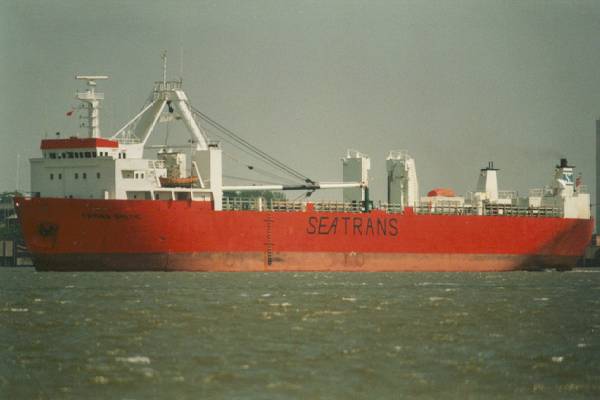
pixel 457 83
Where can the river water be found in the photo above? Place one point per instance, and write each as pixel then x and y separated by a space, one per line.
pixel 299 335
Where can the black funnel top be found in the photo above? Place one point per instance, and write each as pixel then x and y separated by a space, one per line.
pixel 564 164
pixel 490 167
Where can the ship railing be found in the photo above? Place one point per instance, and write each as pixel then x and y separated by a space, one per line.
pixel 128 140
pixel 90 96
pixel 338 206
pixel 241 203
pixel 508 194
pixel 509 210
pixel 261 204
pixel 487 210
pixel 156 164
pixel 168 85
pixel 444 210
pixel 398 155
pixel 541 192
pixel 392 208
pixel 285 206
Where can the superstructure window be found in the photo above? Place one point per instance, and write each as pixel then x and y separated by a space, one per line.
pixel 94 154
pixel 52 155
pixel 127 174
pixel 59 176
pixel 70 154
pixel 88 154
pixel 76 175
pixel 98 175
pixel 81 154
pixel 84 175
pixel 51 177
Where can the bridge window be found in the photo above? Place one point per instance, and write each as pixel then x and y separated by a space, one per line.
pixel 94 154
pixel 81 154
pixel 127 174
pixel 70 154
pixel 52 155
pixel 88 154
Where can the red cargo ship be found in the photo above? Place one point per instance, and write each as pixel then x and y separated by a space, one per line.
pixel 98 204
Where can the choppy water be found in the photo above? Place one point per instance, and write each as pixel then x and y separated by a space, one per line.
pixel 304 335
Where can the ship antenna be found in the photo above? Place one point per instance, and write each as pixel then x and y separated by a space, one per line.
pixel 181 63
pixel 164 60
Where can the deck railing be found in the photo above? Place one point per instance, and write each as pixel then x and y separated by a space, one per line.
pixel 260 204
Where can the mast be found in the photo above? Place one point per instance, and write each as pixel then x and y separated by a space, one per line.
pixel 163 56
pixel 92 99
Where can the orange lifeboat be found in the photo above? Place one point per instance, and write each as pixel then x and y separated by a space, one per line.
pixel 178 182
pixel 444 192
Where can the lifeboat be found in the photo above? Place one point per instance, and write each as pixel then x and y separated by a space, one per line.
pixel 443 192
pixel 178 182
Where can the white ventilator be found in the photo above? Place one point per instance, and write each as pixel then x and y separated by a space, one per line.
pixel 355 167
pixel 402 183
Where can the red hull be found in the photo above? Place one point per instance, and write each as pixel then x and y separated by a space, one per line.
pixel 78 234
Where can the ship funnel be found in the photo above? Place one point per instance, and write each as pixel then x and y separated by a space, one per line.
pixel 488 182
pixel 563 182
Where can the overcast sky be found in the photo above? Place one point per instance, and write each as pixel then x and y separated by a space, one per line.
pixel 456 83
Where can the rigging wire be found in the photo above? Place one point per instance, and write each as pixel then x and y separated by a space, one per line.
pixel 259 170
pixel 264 156
pixel 302 195
pixel 250 154
pixel 251 180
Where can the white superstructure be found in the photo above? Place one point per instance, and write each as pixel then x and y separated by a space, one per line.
pixel 93 167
